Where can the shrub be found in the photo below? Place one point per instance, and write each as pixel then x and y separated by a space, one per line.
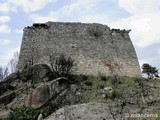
pixel 28 113
pixel 84 77
pixel 101 86
pixel 108 95
pixel 103 77
pixel 112 95
pixel 24 113
pixel 114 81
pixel 88 83
pixel 62 66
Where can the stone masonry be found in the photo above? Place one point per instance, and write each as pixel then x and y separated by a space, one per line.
pixel 95 47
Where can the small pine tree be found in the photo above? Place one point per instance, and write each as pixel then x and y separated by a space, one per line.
pixel 151 72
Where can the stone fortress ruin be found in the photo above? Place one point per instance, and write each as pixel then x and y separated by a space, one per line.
pixel 95 47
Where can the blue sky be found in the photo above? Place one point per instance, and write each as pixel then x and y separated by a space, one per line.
pixel 141 16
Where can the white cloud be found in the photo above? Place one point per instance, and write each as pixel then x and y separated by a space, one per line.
pixel 96 18
pixel 141 25
pixel 158 51
pixel 52 16
pixel 4 42
pixel 140 6
pixel 78 6
pixel 10 53
pixel 4 19
pixel 19 31
pixel 26 5
pixel 30 5
pixel 152 60
pixel 4 29
pixel 6 7
pixel 77 10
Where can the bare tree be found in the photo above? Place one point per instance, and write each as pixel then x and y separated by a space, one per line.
pixel 4 72
pixel 1 73
pixel 13 62
pixel 10 68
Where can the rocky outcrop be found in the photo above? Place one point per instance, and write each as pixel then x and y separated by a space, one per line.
pixel 40 117
pixel 41 72
pixel 6 99
pixel 33 97
pixel 92 111
pixel 44 92
pixel 4 114
pixel 36 73
pixel 38 96
pixel 77 97
pixel 12 77
pixel 10 83
pixel 33 87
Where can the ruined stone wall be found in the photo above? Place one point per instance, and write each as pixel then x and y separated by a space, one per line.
pixel 95 47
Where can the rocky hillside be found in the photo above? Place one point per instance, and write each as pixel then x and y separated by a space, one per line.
pixel 36 93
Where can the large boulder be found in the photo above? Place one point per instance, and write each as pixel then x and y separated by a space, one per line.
pixel 38 97
pixel 12 77
pixel 41 72
pixel 37 73
pixel 4 114
pixel 9 83
pixel 7 98
pixel 90 111
pixel 46 91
